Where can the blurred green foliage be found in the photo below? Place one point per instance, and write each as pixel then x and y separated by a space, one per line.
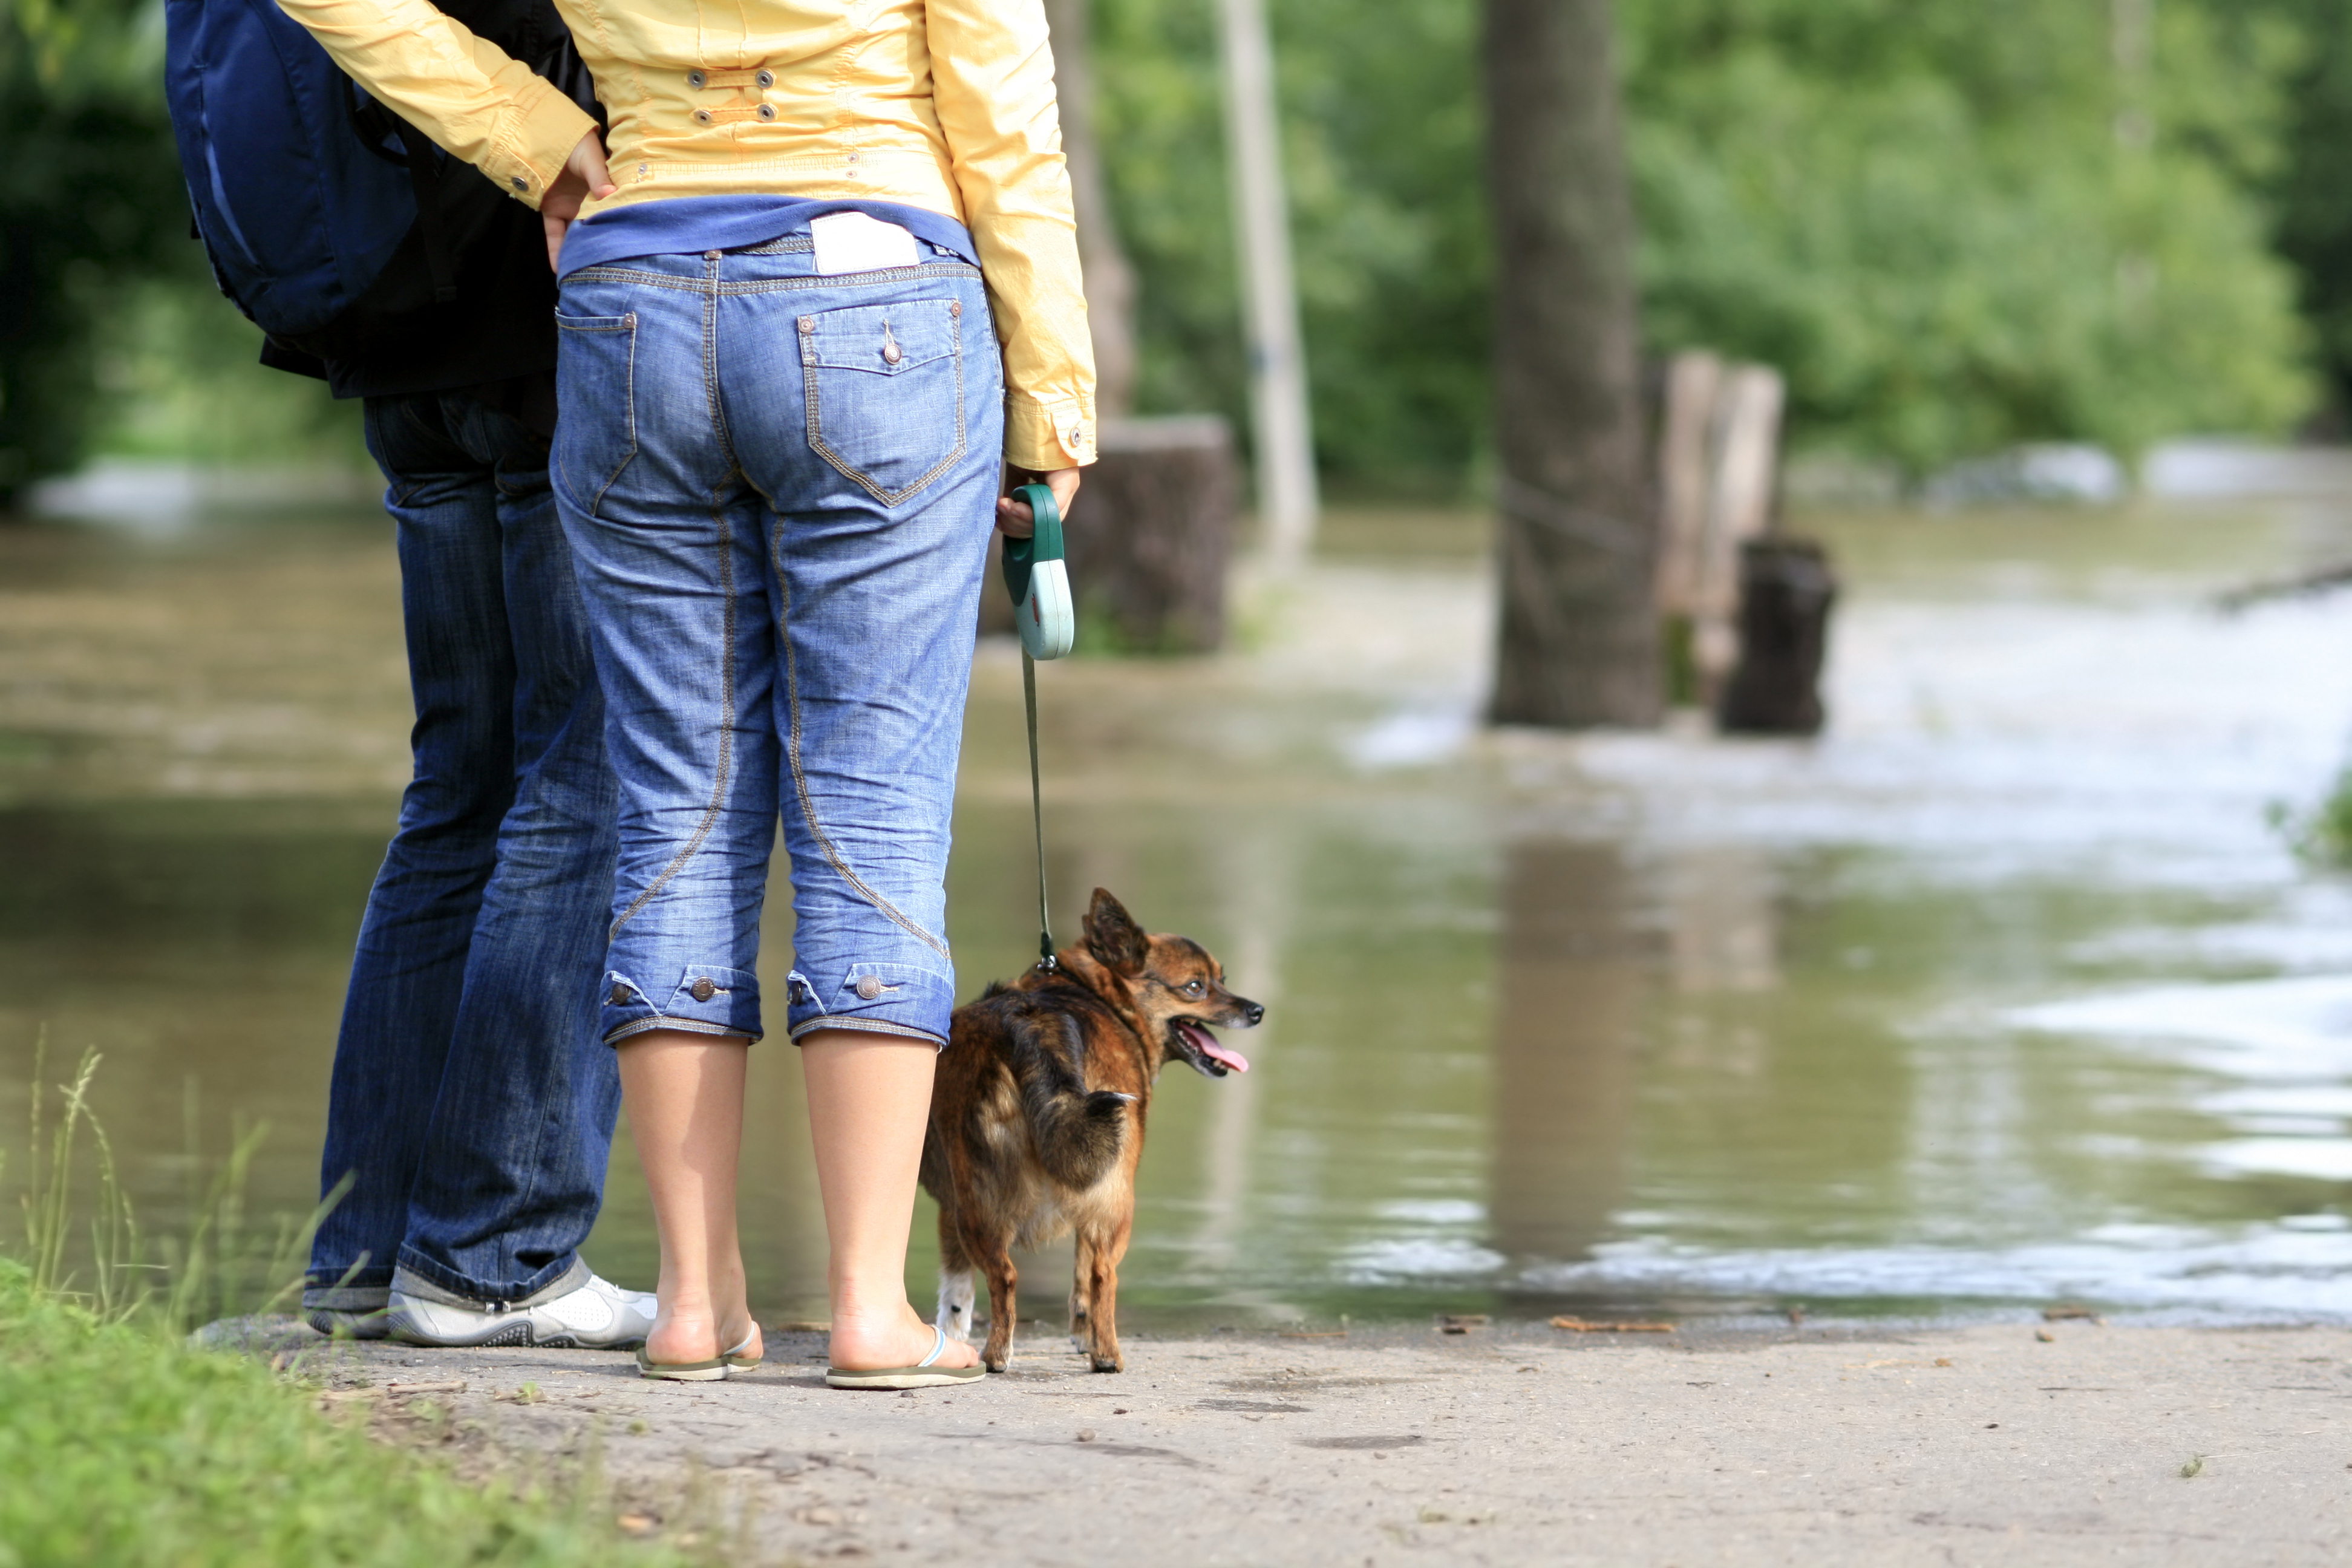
pixel 112 331
pixel 90 191
pixel 1955 224
pixel 2311 186
pixel 1961 224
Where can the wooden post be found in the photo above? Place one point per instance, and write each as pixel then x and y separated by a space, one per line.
pixel 1694 383
pixel 1284 431
pixel 1786 593
pixel 1746 445
pixel 1149 541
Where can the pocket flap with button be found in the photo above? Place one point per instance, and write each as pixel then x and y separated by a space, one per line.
pixel 887 340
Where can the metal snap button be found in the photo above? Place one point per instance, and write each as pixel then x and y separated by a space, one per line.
pixel 869 986
pixel 767 111
pixel 520 183
pixel 619 996
pixel 808 325
pixel 955 307
pixel 766 78
pixel 702 990
pixel 696 79
pixel 702 117
pixel 891 354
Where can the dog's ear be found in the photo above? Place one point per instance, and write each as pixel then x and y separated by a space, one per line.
pixel 1114 938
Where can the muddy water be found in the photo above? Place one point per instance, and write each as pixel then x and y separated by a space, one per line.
pixel 2003 991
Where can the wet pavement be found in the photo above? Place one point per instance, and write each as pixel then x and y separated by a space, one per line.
pixel 1980 1445
pixel 2005 990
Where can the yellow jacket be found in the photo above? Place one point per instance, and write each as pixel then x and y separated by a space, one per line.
pixel 943 104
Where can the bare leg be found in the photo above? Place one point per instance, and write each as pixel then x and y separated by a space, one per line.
pixel 870 1100
pixel 684 1095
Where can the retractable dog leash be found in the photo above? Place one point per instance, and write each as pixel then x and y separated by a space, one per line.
pixel 1040 585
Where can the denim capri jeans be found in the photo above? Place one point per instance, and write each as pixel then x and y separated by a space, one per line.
pixel 779 487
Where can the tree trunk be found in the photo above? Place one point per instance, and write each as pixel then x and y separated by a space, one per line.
pixel 1111 280
pixel 1580 627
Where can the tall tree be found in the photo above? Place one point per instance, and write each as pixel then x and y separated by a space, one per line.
pixel 89 197
pixel 1580 630
pixel 1110 278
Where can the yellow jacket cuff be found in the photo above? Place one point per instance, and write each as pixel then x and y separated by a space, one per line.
pixel 529 151
pixel 1042 436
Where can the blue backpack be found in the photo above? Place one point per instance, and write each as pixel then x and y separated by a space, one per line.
pixel 327 217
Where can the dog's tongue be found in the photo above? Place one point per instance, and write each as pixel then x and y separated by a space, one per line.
pixel 1207 1043
pixel 1217 1053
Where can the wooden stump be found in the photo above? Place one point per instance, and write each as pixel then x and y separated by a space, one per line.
pixel 1786 589
pixel 1148 541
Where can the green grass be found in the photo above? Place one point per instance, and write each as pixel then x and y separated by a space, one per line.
pixel 120 1445
pixel 2322 835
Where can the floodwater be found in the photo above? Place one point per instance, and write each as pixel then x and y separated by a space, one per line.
pixel 2006 990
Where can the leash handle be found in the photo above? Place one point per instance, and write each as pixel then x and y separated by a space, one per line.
pixel 1039 582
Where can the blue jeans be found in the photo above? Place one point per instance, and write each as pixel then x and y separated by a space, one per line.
pixel 472 1101
pixel 780 488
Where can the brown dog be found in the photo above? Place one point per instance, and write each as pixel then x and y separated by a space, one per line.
pixel 1038 1115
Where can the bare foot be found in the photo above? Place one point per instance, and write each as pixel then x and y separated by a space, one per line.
pixel 900 1339
pixel 743 1338
pixel 682 1334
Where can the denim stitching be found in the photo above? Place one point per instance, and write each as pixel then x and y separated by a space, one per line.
pixel 685 1026
pixel 800 780
pixel 726 592
pixel 773 285
pixel 726 729
pixel 628 324
pixel 710 357
pixel 809 367
pixel 871 1025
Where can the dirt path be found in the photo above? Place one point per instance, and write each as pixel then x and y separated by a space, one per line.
pixel 1505 1445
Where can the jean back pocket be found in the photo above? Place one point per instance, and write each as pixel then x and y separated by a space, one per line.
pixel 885 390
pixel 596 384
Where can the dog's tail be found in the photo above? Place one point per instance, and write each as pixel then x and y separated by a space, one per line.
pixel 1078 1134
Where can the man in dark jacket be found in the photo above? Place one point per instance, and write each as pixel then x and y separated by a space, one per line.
pixel 472 1105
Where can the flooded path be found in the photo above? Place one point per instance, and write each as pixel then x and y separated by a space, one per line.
pixel 2005 990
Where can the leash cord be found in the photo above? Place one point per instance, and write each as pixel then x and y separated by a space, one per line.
pixel 1037 812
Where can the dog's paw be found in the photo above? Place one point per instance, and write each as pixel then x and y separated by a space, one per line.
pixel 1110 1364
pixel 954 1318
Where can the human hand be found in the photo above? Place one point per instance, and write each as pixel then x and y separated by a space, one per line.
pixel 1014 520
pixel 584 175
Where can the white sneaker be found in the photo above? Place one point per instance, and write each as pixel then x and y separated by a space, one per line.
pixel 579 1312
pixel 337 1324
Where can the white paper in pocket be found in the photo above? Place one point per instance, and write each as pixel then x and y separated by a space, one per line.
pixel 853 242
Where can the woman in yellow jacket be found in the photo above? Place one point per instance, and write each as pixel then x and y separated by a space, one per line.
pixel 819 292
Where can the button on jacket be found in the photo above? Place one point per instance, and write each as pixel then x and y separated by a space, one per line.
pixel 943 104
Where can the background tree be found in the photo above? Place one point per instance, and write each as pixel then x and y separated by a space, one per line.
pixel 90 197
pixel 1914 207
pixel 1111 280
pixel 2310 183
pixel 1580 630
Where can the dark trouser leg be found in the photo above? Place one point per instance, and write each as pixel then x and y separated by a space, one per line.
pixel 465 953
pixel 513 1170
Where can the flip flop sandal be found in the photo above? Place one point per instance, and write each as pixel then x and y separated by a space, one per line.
pixel 711 1371
pixel 736 1360
pixel 922 1375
